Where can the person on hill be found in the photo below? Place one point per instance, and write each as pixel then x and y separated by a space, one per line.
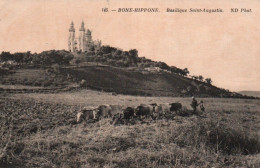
pixel 202 108
pixel 194 105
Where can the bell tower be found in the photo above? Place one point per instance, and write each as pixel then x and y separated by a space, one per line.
pixel 89 36
pixel 71 42
pixel 82 38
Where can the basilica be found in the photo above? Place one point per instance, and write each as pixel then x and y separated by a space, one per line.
pixel 83 43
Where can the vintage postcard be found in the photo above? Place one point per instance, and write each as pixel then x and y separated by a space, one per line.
pixel 130 83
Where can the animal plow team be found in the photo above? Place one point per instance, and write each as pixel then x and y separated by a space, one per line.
pixel 153 111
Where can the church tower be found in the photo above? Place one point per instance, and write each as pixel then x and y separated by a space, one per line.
pixel 89 36
pixel 71 42
pixel 82 38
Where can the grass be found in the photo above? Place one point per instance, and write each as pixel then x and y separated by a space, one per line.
pixel 39 130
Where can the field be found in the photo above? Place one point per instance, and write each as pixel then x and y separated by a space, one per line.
pixel 39 130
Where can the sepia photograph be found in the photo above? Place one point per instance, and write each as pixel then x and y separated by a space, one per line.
pixel 129 84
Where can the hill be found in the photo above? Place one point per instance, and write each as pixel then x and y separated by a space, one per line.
pixel 131 81
pixel 250 93
pixel 136 82
pixel 108 69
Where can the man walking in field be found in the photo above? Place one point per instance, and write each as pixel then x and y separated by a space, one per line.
pixel 194 105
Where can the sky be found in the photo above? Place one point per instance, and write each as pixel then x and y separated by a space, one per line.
pixel 222 46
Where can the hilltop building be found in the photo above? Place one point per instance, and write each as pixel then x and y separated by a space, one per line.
pixel 83 43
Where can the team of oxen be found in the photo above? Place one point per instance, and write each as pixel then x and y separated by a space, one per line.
pixel 141 111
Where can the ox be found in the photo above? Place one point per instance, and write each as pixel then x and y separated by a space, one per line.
pixel 116 109
pixel 128 113
pixel 104 111
pixel 87 113
pixel 175 107
pixel 159 111
pixel 145 110
pixel 167 110
pixel 164 108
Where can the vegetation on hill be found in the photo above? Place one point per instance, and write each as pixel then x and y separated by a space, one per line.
pixel 116 57
pixel 51 57
pixel 106 55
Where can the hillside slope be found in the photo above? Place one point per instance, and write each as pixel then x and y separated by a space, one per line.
pixel 124 81
pixel 110 79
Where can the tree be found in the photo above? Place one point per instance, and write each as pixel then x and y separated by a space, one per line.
pixel 5 56
pixel 140 65
pixel 133 52
pixel 27 57
pixel 179 71
pixel 208 81
pixel 107 56
pixel 162 65
pixel 200 78
pixel 125 53
pixel 107 49
pixel 120 63
pixel 186 71
pixel 18 57
pixel 90 53
pixel 195 77
pixel 77 61
pixel 92 48
pixel 51 57
pixel 118 52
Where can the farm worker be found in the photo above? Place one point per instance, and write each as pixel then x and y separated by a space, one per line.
pixel 202 106
pixel 194 104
